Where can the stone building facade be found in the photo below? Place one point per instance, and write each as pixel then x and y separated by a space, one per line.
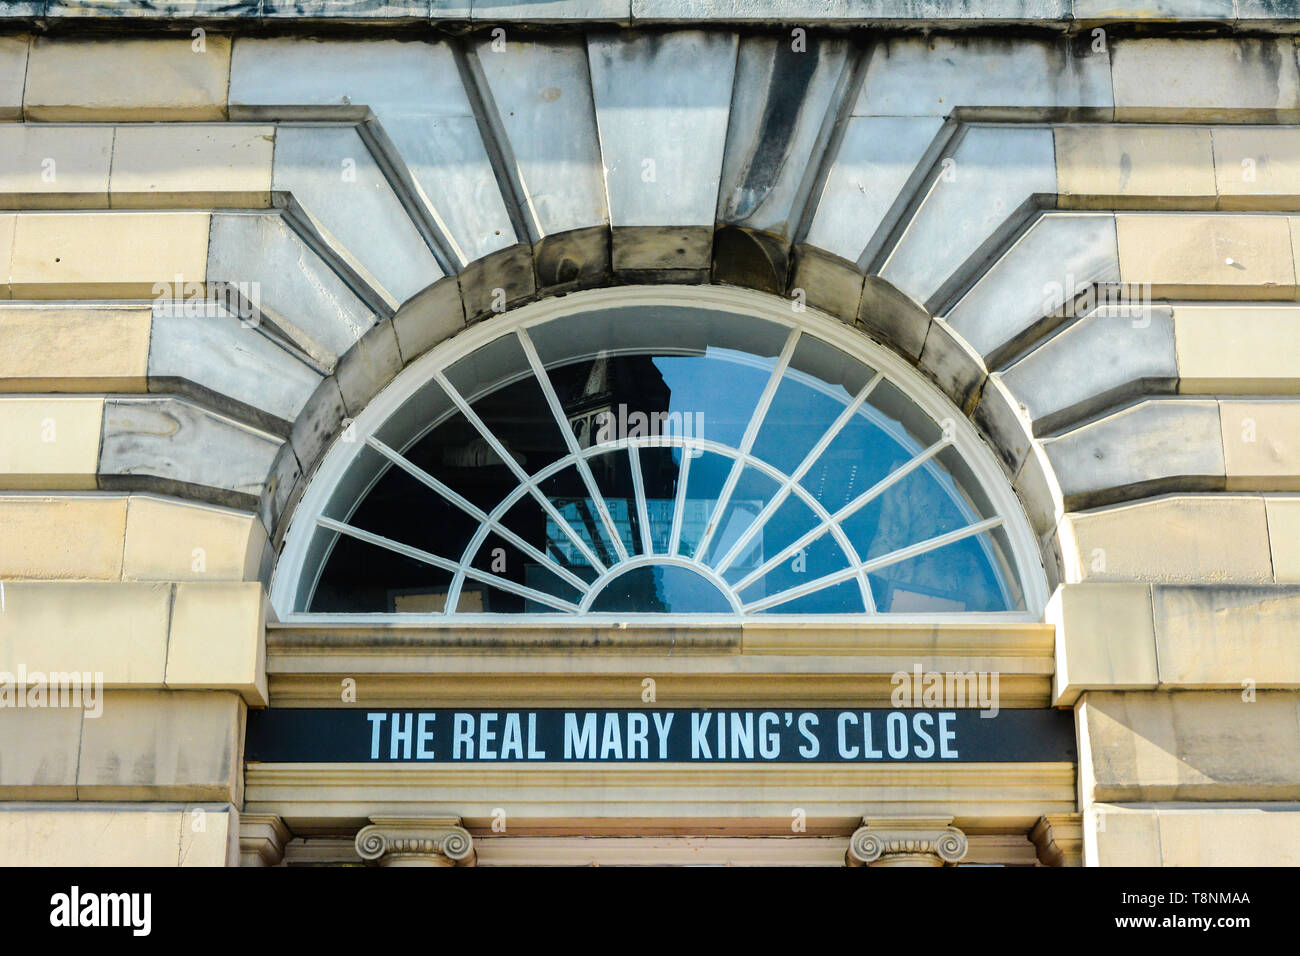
pixel 239 238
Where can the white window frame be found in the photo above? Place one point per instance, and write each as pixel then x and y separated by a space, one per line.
pixel 1025 556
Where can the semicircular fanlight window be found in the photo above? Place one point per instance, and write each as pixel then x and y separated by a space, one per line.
pixel 658 461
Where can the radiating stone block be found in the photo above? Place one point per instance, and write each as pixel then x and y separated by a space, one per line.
pixel 1150 447
pixel 995 171
pixel 232 366
pixel 785 101
pixel 662 102
pixel 330 172
pixel 175 447
pixel 877 155
pixel 1104 359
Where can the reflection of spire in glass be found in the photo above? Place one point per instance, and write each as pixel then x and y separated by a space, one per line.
pixel 659 460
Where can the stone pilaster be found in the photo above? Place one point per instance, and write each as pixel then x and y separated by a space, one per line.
pixel 415 841
pixel 906 841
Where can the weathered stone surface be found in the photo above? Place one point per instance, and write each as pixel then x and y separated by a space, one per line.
pixel 1197 745
pixel 1284 538
pixel 192 165
pixel 952 365
pixel 169 540
pixel 497 283
pixel 415 92
pixel 49 442
pixel 73 349
pixel 1004 422
pixel 1103 359
pixel 568 261
pixel 317 424
pixel 368 367
pixel 66 255
pixel 8 225
pixel 1039 492
pixel 1188 540
pixel 1153 9
pixel 159 745
pixel 63 537
pixel 429 317
pixel 300 296
pixel 995 171
pixel 828 283
pixel 174 447
pixel 54 167
pixel 752 260
pixel 540 96
pixel 331 174
pixel 1241 349
pixel 779 117
pixel 662 102
pixel 662 253
pixel 138 80
pixel 877 155
pixel 1105 639
pixel 217 640
pixel 13 75
pixel 1234 79
pixel 122 835
pixel 1257 167
pixel 116 630
pixel 1228 637
pixel 893 317
pixel 929 76
pixel 1154 446
pixel 1193 256
pixel 44 767
pixel 230 365
pixel 1044 273
pixel 1261 444
pixel 1151 167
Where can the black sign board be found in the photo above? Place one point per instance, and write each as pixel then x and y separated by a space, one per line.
pixel 657 735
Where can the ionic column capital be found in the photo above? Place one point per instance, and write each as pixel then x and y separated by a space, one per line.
pixel 415 841
pixel 906 841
